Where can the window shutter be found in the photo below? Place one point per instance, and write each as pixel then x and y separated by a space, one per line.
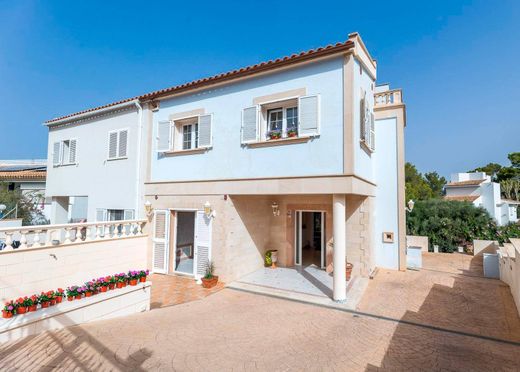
pixel 72 151
pixel 164 136
pixel 309 116
pixel 56 153
pixel 123 143
pixel 129 214
pixel 250 124
pixel 112 145
pixel 101 214
pixel 202 242
pixel 372 132
pixel 362 129
pixel 205 135
pixel 160 242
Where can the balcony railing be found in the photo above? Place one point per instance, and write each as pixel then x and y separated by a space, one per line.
pixel 389 97
pixel 40 236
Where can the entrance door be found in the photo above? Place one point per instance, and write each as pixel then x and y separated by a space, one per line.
pixel 310 238
pixel 184 255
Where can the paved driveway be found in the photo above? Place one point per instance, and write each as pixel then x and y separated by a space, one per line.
pixel 445 317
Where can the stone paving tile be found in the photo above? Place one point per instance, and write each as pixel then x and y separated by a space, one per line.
pixel 233 330
pixel 170 290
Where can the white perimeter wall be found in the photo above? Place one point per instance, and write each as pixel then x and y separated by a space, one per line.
pixel 109 184
pixel 386 208
pixel 24 272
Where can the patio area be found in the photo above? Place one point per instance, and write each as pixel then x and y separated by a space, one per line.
pixel 305 283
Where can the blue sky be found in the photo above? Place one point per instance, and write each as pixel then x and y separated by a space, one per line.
pixel 455 60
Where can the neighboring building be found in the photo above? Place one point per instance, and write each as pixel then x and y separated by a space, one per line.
pixel 28 176
pixel 303 154
pixel 478 188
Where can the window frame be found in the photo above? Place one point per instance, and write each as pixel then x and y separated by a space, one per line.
pixel 266 108
pixel 64 158
pixel 118 144
pixel 177 134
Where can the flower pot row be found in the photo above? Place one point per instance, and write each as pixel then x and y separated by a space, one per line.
pixel 90 288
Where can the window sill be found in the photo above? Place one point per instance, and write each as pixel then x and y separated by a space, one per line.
pixel 199 150
pixel 279 142
pixel 121 158
pixel 365 147
pixel 64 165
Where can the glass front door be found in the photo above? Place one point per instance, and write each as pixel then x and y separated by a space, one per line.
pixel 185 243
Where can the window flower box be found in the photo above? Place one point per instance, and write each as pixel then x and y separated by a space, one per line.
pixel 275 134
pixel 291 133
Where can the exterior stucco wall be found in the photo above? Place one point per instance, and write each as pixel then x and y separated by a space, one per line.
pixel 386 208
pixel 321 156
pixel 417 241
pixel 109 184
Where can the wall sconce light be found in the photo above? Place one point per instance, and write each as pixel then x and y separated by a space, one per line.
pixel 411 203
pixel 148 208
pixel 276 209
pixel 208 211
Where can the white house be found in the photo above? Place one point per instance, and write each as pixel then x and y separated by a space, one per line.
pixel 302 154
pixel 478 188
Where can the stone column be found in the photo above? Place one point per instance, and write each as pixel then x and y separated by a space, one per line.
pixel 338 230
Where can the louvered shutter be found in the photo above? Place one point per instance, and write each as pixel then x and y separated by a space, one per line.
pixel 56 153
pixel 123 144
pixel 160 242
pixel 250 124
pixel 112 145
pixel 164 136
pixel 372 132
pixel 101 214
pixel 308 124
pixel 205 130
pixel 202 242
pixel 73 144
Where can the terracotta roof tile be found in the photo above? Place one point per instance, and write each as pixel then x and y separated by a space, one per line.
pixel 470 198
pixel 22 175
pixel 241 72
pixel 466 183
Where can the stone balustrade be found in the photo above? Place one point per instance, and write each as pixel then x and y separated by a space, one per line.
pixel 389 97
pixel 73 233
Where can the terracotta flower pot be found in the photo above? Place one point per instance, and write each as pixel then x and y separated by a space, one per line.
pixel 77 297
pixel 88 294
pixel 111 286
pixel 209 283
pixel 70 298
pixel 142 279
pixel 45 304
pixel 348 270
pixel 291 134
pixel 104 289
pixel 21 310
pixel 7 314
pixel 59 299
pixel 33 308
pixel 52 302
pixel 133 282
pixel 119 284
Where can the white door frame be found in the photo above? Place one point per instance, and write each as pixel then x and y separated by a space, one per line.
pixel 298 236
pixel 174 246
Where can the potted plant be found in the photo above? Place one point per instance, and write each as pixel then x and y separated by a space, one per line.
pixel 58 295
pixel 270 258
pixel 81 292
pixel 292 133
pixel 103 284
pixel 90 287
pixel 142 275
pixel 44 300
pixel 21 305
pixel 9 309
pixel 72 292
pixel 348 270
pixel 209 280
pixel 111 281
pixel 52 298
pixel 275 134
pixel 120 280
pixel 133 277
pixel 33 303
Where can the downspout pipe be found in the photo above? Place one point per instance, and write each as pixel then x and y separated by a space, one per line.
pixel 138 163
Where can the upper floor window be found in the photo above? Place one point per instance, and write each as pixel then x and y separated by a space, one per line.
pixel 296 117
pixel 185 134
pixel 64 152
pixel 118 144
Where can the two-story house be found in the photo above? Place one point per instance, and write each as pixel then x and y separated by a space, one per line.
pixel 302 154
pixel 479 189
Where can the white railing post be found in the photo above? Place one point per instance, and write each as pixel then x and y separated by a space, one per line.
pixel 23 239
pixel 8 240
pixel 67 235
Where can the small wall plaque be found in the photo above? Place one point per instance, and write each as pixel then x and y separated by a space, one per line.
pixel 388 237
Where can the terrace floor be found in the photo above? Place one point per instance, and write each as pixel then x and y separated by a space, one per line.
pixel 443 317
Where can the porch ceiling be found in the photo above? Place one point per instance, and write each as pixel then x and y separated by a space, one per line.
pixel 343 184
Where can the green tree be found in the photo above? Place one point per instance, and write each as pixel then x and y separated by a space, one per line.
pixel 416 186
pixel 514 158
pixel 27 209
pixel 436 183
pixel 491 169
